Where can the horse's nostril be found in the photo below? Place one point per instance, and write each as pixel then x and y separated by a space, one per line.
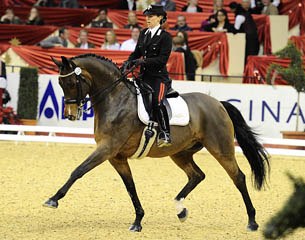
pixel 71 117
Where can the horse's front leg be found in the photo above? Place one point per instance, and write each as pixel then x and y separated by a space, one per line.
pixel 122 167
pixel 95 159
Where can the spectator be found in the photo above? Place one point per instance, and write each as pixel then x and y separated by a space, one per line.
pixel 128 5
pixel 10 18
pixel 218 5
pixel 34 17
pixel 82 41
pixel 130 44
pixel 168 5
pixel 132 21
pixel 257 5
pixel 221 24
pixel 68 4
pixel 101 20
pixel 3 83
pixel 44 3
pixel 192 7
pixel 111 42
pixel 244 23
pixel 142 4
pixel 58 41
pixel 189 60
pixel 269 8
pixel 181 24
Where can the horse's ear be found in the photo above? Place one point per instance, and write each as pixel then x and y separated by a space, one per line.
pixel 73 64
pixel 58 63
pixel 65 61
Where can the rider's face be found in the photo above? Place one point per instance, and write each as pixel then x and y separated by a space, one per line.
pixel 153 20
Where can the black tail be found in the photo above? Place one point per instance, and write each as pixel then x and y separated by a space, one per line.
pixel 252 149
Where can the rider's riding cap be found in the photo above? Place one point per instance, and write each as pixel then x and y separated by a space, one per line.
pixel 157 10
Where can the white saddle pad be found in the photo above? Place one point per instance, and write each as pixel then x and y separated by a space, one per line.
pixel 180 112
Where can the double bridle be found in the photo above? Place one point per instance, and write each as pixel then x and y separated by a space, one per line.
pixel 81 101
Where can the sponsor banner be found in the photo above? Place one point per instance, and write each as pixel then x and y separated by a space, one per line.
pixel 268 109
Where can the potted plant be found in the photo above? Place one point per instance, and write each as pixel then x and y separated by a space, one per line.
pixel 294 74
pixel 28 96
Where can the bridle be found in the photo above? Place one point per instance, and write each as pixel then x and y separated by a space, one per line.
pixel 81 101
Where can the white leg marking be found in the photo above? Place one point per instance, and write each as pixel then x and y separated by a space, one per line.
pixel 179 205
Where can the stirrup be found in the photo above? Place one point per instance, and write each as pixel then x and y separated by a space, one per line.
pixel 164 139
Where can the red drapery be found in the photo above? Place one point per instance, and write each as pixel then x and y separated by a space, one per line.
pixel 58 16
pixel 257 66
pixel 82 3
pixel 4 47
pixel 212 44
pixel 36 56
pixel 29 35
pixel 299 41
pixel 295 9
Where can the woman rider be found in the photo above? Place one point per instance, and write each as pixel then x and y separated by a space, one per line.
pixel 151 53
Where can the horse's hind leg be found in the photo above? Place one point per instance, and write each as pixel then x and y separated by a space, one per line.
pixel 185 161
pixel 122 167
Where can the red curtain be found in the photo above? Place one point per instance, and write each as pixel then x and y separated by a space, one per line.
pixel 36 56
pixel 295 9
pixel 59 16
pixel 257 66
pixel 299 41
pixel 212 44
pixel 4 47
pixel 27 35
pixel 82 3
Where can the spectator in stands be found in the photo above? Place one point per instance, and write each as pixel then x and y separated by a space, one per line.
pixel 34 17
pixel 44 3
pixel 128 5
pixel 244 23
pixel 69 4
pixel 110 42
pixel 82 41
pixel 168 5
pixel 142 4
pixel 130 44
pixel 58 41
pixel 132 21
pixel 192 7
pixel 181 24
pixel 257 6
pixel 10 18
pixel 269 8
pixel 189 60
pixel 101 20
pixel 218 5
pixel 221 24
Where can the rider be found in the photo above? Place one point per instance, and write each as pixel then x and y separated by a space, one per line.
pixel 151 53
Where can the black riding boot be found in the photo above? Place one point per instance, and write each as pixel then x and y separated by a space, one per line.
pixel 164 138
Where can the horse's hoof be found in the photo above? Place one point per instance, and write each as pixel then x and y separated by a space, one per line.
pixel 135 228
pixel 183 215
pixel 51 203
pixel 252 226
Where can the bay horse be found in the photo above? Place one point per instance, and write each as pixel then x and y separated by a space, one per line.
pixel 118 132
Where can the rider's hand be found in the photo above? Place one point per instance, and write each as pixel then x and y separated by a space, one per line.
pixel 138 62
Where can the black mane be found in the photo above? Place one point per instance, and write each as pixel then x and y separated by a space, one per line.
pixel 99 57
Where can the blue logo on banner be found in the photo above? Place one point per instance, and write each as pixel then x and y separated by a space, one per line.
pixel 48 111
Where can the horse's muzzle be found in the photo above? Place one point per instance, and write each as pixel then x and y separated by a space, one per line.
pixel 71 117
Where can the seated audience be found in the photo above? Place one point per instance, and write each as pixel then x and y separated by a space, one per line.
pixel 143 4
pixel 101 20
pixel 244 23
pixel 168 5
pixel 132 21
pixel 258 5
pixel 192 7
pixel 218 5
pixel 44 3
pixel 189 60
pixel 221 24
pixel 128 5
pixel 57 41
pixel 181 24
pixel 110 42
pixel 269 8
pixel 130 44
pixel 34 17
pixel 82 41
pixel 69 4
pixel 10 18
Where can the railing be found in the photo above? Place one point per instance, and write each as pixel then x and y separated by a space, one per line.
pixel 203 77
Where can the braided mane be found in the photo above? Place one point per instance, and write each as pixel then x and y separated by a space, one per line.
pixel 101 58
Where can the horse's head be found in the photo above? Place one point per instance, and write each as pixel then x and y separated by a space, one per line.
pixel 75 86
